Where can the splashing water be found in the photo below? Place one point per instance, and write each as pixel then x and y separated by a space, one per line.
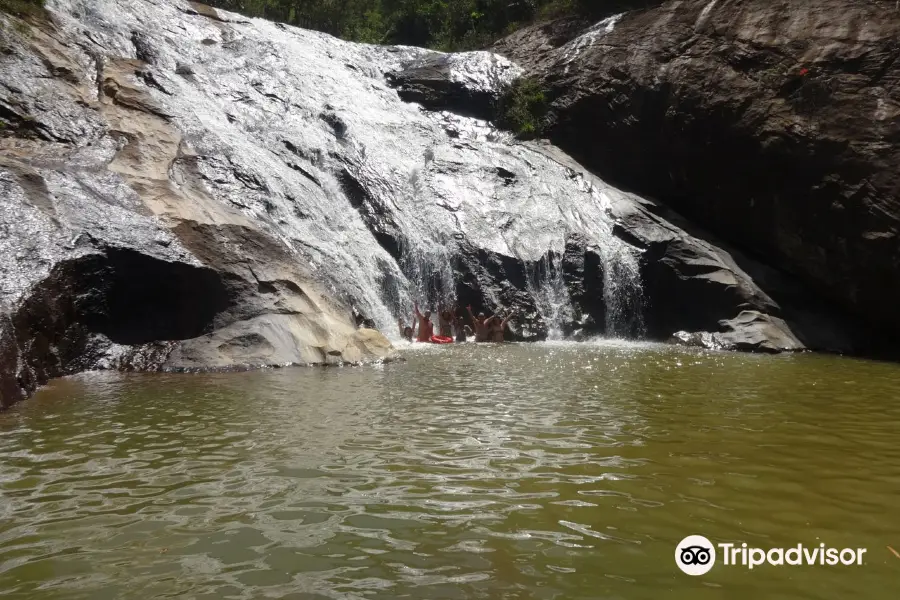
pixel 622 294
pixel 429 271
pixel 620 263
pixel 551 295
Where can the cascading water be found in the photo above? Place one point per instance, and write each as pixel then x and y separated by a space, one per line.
pixel 589 38
pixel 622 289
pixel 619 263
pixel 426 258
pixel 429 271
pixel 551 296
pixel 301 132
pixel 622 295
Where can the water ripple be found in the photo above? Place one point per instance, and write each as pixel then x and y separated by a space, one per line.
pixel 470 472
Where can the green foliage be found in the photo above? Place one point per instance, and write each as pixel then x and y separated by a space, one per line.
pixel 558 8
pixel 440 24
pixel 23 8
pixel 523 108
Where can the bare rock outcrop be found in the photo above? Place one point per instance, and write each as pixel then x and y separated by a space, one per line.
pixel 774 125
pixel 116 253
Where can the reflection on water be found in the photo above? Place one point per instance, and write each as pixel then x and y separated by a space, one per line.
pixel 514 471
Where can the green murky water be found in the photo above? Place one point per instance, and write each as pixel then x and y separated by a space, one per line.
pixel 542 471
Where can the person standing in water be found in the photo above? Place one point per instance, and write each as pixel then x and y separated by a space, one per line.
pixel 406 332
pixel 459 324
pixel 481 330
pixel 497 328
pixel 445 323
pixel 426 327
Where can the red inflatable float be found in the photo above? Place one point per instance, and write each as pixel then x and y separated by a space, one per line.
pixel 439 339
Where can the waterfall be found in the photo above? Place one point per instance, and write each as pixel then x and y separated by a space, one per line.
pixel 620 263
pixel 301 132
pixel 429 271
pixel 551 296
pixel 589 38
pixel 622 294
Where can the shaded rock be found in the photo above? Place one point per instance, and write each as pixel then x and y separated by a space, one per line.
pixel 374 212
pixel 758 332
pixel 184 69
pixel 336 123
pixel 496 284
pixel 695 283
pixel 583 272
pixel 750 331
pixel 468 83
pixel 573 267
pixel 773 125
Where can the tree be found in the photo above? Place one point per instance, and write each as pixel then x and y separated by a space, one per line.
pixel 441 24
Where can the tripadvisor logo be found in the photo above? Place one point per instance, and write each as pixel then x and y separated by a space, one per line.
pixel 696 555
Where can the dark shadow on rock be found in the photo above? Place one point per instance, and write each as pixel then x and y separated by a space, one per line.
pixel 583 275
pixel 494 283
pixel 70 319
pixel 689 292
pixel 138 299
pixel 469 83
pixel 376 216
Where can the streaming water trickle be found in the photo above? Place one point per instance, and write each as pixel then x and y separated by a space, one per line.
pixel 589 38
pixel 623 294
pixel 429 271
pixel 551 296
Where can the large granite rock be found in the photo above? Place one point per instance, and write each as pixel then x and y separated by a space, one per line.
pixel 773 124
pixel 116 253
pixel 181 188
pixel 680 278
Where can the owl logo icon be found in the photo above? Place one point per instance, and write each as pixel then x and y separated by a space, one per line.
pixel 695 555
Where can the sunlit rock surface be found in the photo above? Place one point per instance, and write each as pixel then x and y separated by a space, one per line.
pixel 469 83
pixel 185 188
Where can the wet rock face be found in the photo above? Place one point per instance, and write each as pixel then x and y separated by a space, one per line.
pixel 120 251
pixel 181 188
pixel 773 125
pixel 468 83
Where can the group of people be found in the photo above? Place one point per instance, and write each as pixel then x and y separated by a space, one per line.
pixel 451 326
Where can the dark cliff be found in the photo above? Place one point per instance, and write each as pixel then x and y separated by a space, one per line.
pixel 773 124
